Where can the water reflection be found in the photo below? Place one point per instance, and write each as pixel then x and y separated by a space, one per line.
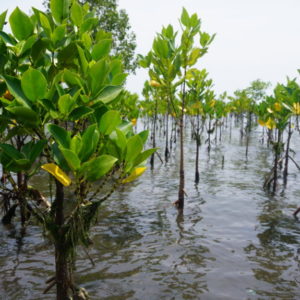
pixel 275 257
pixel 232 241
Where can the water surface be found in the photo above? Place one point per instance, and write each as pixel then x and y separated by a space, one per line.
pixel 233 240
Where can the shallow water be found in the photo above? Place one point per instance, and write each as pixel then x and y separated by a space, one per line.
pixel 233 240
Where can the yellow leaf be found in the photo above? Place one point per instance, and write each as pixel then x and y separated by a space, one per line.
pixel 296 108
pixel 154 83
pixel 277 106
pixel 261 122
pixel 133 122
pixel 58 173
pixel 134 174
pixel 7 95
pixel 271 124
pixel 269 110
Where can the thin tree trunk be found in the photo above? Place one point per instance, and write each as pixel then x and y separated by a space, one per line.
pixel 197 174
pixel 180 203
pixel 167 152
pixel 277 154
pixel 21 198
pixel 209 132
pixel 154 136
pixel 286 163
pixel 61 262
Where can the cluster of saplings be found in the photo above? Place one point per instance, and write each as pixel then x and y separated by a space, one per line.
pixel 178 93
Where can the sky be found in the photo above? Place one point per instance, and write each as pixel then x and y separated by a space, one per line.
pixel 255 39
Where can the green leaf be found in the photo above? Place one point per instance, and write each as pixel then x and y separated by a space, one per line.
pixel 118 79
pixel 71 158
pixel 11 151
pixel 185 19
pixel 66 104
pixel 76 14
pixel 80 112
pixel 2 19
pixel 195 54
pixel 101 49
pixel 14 86
pixel 28 44
pixel 144 135
pixel 38 50
pixel 67 55
pixel 58 33
pixel 24 163
pixel 143 156
pixel 109 121
pixel 24 115
pixel 8 38
pixel 21 25
pixel 206 39
pixel 134 148
pixel 34 84
pixel 161 48
pixel 109 94
pixel 72 78
pixel 59 158
pixel 98 73
pixel 61 136
pixel 76 143
pixel 97 167
pixel 33 149
pixel 45 24
pixel 88 25
pixel 119 138
pixel 86 39
pixel 82 59
pixel 90 139
pixel 126 128
pixel 60 9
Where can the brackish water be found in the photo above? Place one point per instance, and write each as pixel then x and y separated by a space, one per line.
pixel 233 240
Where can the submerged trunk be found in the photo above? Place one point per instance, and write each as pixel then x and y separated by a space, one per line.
pixel 167 152
pixel 209 133
pixel 277 154
pixel 21 198
pixel 286 163
pixel 180 202
pixel 154 136
pixel 197 174
pixel 61 260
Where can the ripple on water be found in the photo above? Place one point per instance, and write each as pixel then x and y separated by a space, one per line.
pixel 233 240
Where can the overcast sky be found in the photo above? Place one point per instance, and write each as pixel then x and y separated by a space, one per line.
pixel 255 38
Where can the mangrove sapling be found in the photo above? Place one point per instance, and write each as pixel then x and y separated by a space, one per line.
pixel 63 98
pixel 167 63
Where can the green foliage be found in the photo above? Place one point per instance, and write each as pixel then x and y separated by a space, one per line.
pixel 34 84
pixel 115 21
pixel 61 90
pixel 60 9
pixel 2 19
pixel 21 25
